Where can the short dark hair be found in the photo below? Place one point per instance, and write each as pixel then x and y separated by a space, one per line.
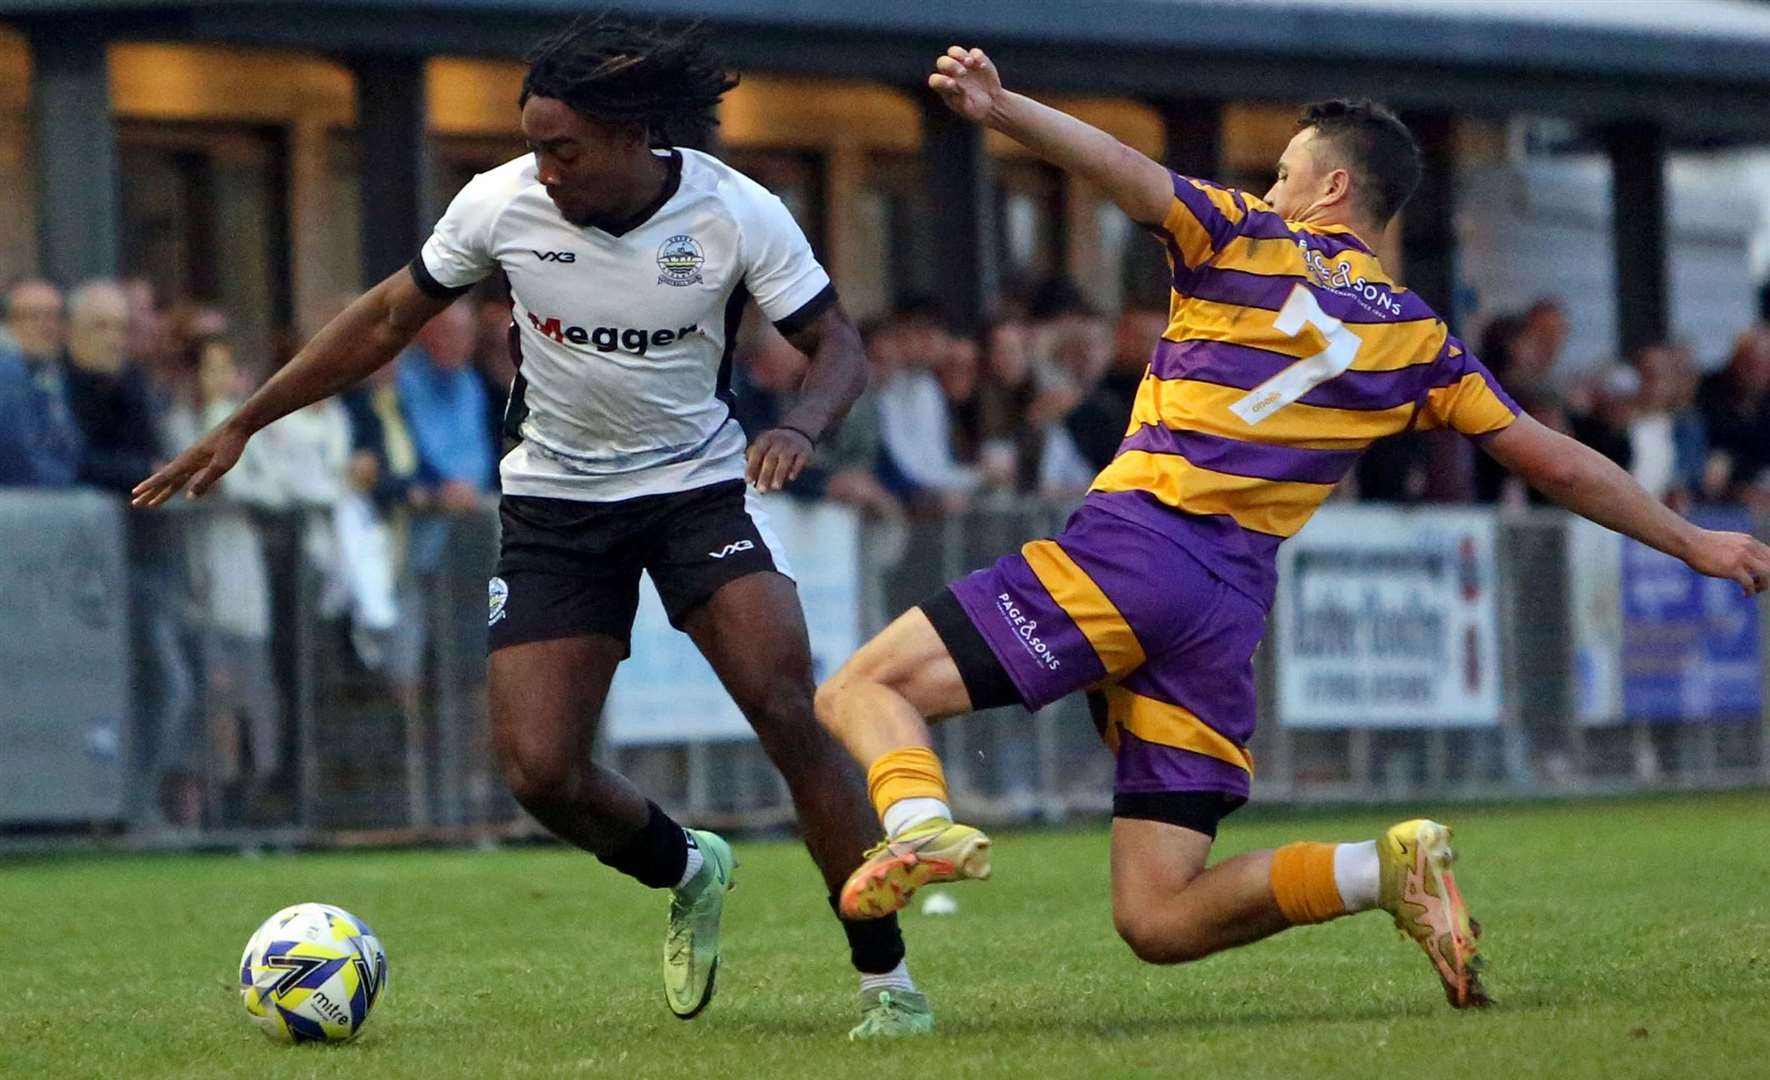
pixel 1379 149
pixel 613 71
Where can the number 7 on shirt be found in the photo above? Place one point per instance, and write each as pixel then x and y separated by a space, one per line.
pixel 1300 309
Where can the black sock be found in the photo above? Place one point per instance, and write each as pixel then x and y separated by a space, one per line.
pixel 874 945
pixel 656 855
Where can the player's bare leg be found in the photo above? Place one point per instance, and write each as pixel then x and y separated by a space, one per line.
pixel 876 705
pixel 753 634
pixel 1170 909
pixel 545 698
pixel 884 696
pixel 1166 904
pixel 752 631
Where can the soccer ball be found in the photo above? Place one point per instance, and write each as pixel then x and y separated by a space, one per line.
pixel 311 973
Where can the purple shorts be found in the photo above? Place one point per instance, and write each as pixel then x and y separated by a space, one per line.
pixel 1110 606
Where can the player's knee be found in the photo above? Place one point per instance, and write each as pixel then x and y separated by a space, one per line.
pixel 862 669
pixel 1154 940
pixel 538 777
pixel 784 718
pixel 827 699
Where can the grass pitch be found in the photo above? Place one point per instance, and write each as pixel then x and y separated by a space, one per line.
pixel 1627 939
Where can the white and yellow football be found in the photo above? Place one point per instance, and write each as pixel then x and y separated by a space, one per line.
pixel 312 973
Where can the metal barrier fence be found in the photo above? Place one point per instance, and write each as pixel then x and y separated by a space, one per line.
pixel 221 675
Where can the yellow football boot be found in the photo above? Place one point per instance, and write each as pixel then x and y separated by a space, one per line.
pixel 1417 888
pixel 935 850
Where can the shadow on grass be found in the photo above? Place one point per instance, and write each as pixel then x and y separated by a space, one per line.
pixel 1081 1022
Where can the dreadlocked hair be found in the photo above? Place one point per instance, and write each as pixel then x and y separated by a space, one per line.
pixel 614 71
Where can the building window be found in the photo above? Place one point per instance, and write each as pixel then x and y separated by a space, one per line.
pixel 459 158
pixel 1030 222
pixel 206 219
pixel 798 177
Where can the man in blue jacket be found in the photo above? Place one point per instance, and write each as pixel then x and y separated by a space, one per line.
pixel 40 442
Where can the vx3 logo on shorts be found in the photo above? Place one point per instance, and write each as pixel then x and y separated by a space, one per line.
pixel 555 256
pixel 732 548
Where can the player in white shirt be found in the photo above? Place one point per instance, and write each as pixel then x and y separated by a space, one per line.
pixel 630 261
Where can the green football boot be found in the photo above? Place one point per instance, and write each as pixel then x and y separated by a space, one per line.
pixel 691 946
pixel 887 1013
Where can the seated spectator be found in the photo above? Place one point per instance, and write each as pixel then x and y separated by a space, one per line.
pixel 1614 392
pixel 40 440
pixel 492 359
pixel 844 467
pixel 109 396
pixel 1098 424
pixel 232 585
pixel 382 485
pixel 383 457
pixel 1542 336
pixel 160 341
pixel 960 373
pixel 1005 394
pixel 1080 352
pixel 444 404
pixel 917 462
pixel 108 393
pixel 1735 405
pixel 1668 441
pixel 1062 320
pixel 1520 358
pixel 312 448
pixel 33 326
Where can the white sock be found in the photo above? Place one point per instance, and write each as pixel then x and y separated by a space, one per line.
pixel 905 813
pixel 695 860
pixel 1357 874
pixel 898 978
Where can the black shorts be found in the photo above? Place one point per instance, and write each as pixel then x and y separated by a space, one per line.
pixel 569 568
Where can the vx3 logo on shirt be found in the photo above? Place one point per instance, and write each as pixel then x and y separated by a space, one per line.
pixel 732 548
pixel 555 256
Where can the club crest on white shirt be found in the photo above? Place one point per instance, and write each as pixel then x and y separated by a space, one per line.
pixel 680 259
pixel 500 595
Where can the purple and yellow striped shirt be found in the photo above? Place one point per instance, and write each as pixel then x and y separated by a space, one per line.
pixel 1288 351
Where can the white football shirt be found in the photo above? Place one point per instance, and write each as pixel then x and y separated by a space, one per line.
pixel 624 340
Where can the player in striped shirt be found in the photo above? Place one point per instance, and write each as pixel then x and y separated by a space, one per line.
pixel 1289 350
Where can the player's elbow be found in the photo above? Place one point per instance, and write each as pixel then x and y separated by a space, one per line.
pixel 1545 459
pixel 1553 474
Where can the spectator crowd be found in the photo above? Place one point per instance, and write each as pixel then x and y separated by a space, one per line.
pixel 100 385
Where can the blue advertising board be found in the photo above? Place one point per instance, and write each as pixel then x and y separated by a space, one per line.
pixel 1689 643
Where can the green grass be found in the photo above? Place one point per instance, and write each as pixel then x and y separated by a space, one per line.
pixel 1627 939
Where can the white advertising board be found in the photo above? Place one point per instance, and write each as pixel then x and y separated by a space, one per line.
pixel 667 692
pixel 1387 618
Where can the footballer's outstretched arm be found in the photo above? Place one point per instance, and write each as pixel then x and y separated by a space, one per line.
pixel 1593 486
pixel 970 85
pixel 365 335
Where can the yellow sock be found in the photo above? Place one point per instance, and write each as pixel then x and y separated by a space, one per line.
pixel 1303 883
pixel 911 773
